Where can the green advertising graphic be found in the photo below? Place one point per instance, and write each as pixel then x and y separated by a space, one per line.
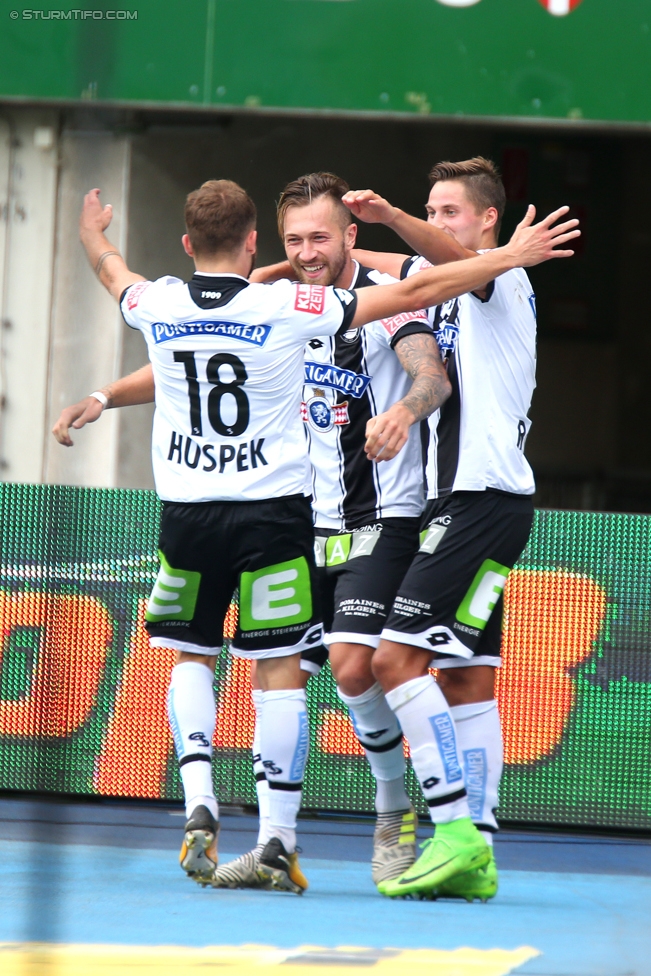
pixel 82 695
pixel 560 59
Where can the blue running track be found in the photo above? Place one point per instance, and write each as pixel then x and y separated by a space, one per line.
pixel 107 874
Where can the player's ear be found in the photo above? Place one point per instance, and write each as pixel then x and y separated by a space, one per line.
pixel 350 236
pixel 187 246
pixel 251 242
pixel 490 218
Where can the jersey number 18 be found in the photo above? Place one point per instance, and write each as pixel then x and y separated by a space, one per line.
pixel 220 389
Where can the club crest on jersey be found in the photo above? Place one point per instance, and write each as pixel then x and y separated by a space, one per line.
pixel 310 298
pixel 336 378
pixel 257 335
pixel 351 336
pixel 446 327
pixel 323 416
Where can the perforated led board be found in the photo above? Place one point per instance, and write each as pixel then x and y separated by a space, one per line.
pixel 82 695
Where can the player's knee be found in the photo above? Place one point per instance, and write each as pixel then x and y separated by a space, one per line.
pixel 464 686
pixel 183 657
pixel 385 666
pixel 353 672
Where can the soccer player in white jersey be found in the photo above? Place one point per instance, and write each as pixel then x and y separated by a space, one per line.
pixel 230 465
pixel 366 513
pixel 448 610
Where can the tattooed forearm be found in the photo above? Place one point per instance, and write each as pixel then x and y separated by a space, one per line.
pixel 419 357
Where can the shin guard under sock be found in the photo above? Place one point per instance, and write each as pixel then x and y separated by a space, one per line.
pixel 191 713
pixel 425 718
pixel 261 785
pixel 380 737
pixel 284 744
pixel 479 735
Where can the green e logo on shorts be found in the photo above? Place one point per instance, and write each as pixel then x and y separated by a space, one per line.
pixel 485 590
pixel 174 595
pixel 265 597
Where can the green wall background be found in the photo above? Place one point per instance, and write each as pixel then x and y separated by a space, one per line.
pixel 101 543
pixel 495 58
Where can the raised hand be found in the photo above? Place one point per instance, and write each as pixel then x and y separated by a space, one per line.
pixel 94 217
pixel 369 206
pixel 534 243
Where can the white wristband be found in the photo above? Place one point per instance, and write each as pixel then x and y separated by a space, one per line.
pixel 100 396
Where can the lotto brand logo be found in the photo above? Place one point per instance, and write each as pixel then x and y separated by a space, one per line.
pixel 134 293
pixel 403 318
pixel 310 298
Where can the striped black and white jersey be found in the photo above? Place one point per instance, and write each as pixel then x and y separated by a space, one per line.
pixel 228 361
pixel 350 378
pixel 476 440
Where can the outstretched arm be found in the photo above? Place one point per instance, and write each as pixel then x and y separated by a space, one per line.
pixel 419 356
pixel 272 272
pixel 136 388
pixel 105 260
pixel 435 244
pixel 385 261
pixel 529 245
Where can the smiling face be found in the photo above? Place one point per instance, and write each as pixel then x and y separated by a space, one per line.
pixel 318 243
pixel 449 208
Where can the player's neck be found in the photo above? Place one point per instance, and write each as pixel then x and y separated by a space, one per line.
pixel 487 241
pixel 347 274
pixel 239 264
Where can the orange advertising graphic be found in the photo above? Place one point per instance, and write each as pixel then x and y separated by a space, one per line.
pixel 75 633
pixel 551 621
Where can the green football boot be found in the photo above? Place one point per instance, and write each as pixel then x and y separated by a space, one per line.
pixel 480 883
pixel 455 848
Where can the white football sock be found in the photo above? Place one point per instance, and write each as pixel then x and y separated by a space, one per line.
pixel 479 734
pixel 284 745
pixel 191 713
pixel 380 736
pixel 428 726
pixel 261 785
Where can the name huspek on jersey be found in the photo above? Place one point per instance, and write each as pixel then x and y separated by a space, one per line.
pixel 229 370
pixel 476 441
pixel 348 379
